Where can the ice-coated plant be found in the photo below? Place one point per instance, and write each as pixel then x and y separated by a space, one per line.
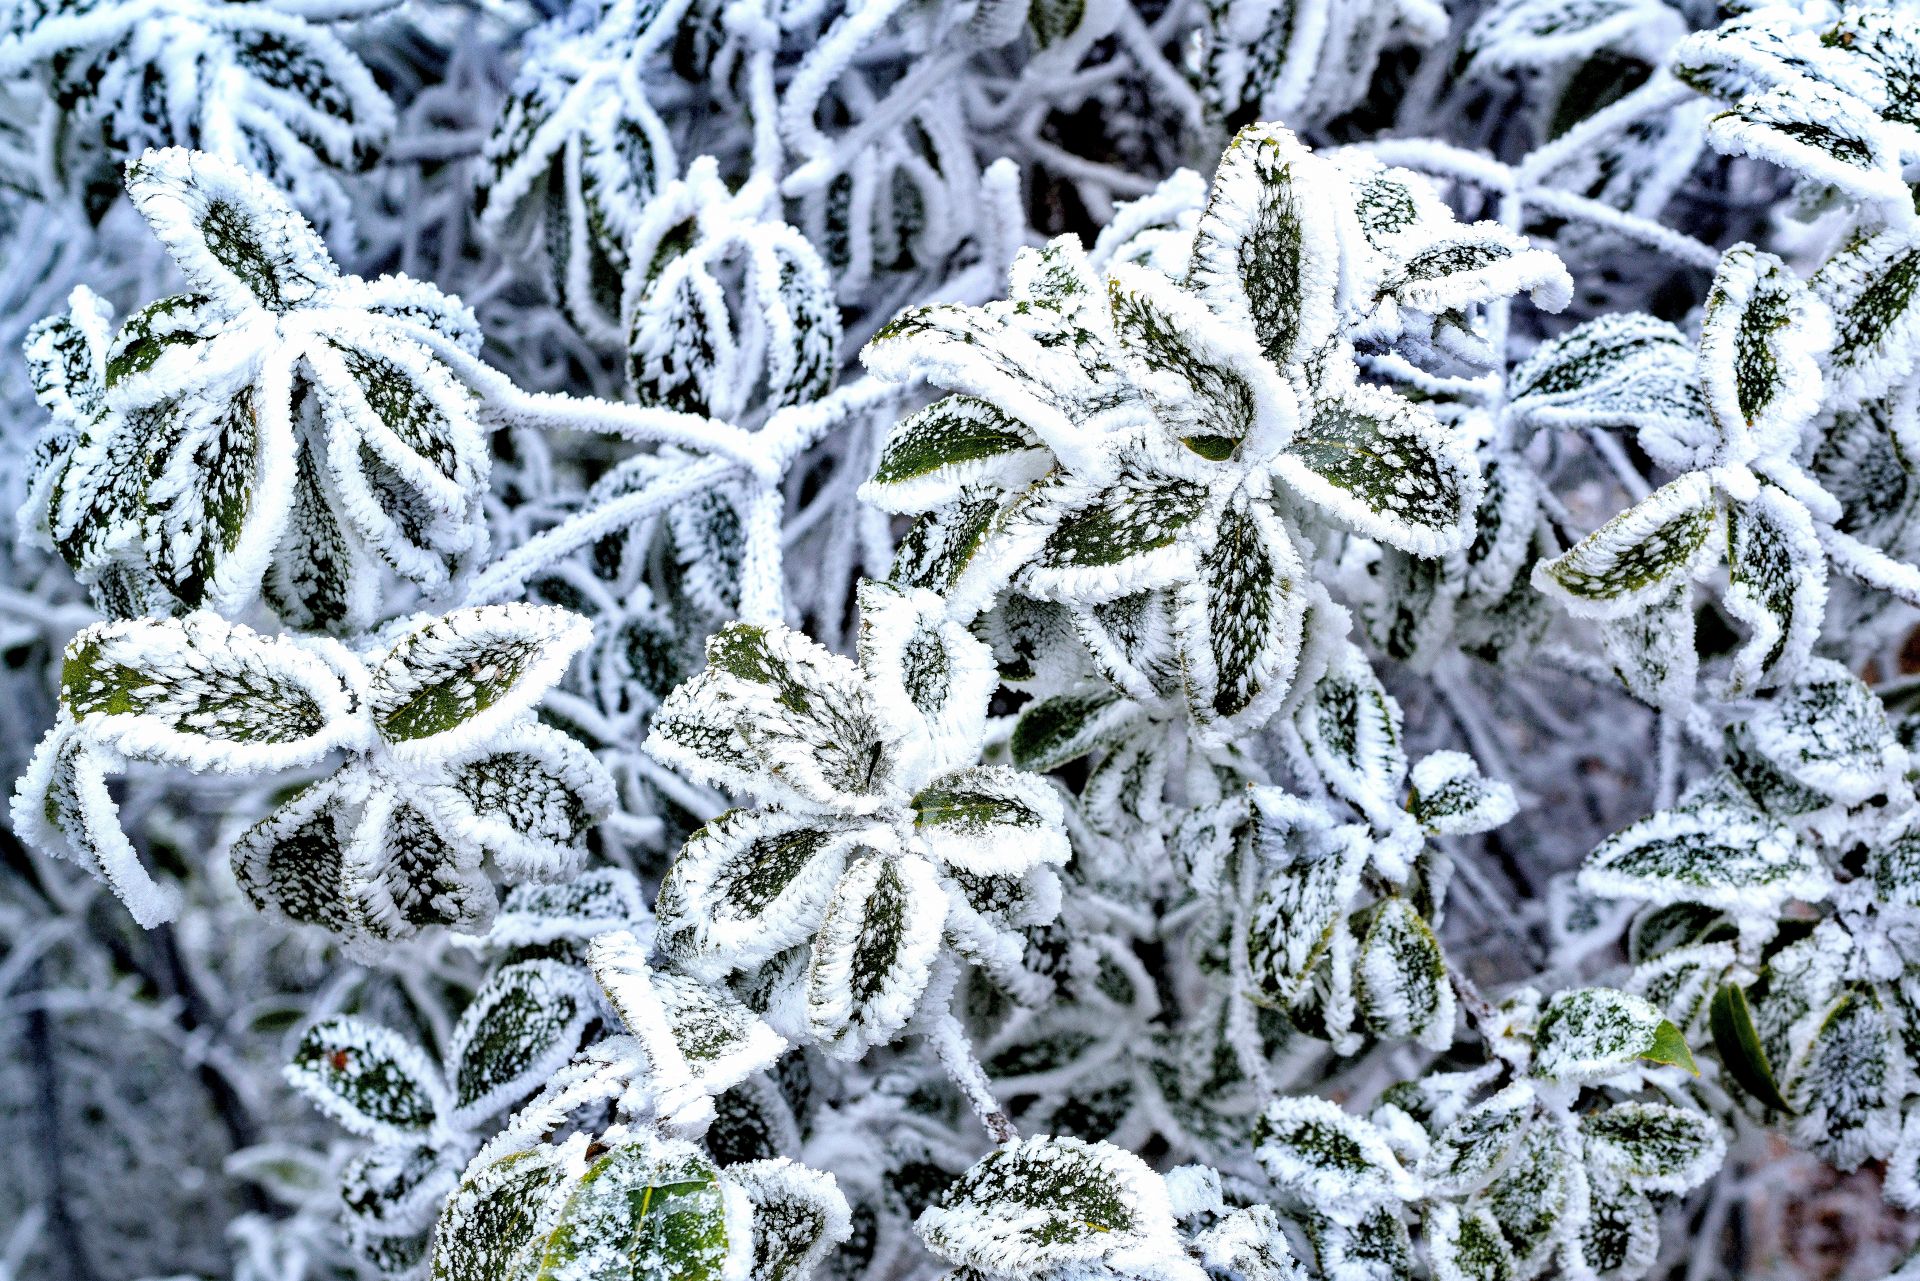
pixel 1082 640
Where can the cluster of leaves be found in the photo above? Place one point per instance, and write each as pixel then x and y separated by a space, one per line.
pixel 1106 893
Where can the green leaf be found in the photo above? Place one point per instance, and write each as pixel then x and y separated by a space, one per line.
pixel 648 1210
pixel 959 441
pixel 1400 978
pixel 522 1025
pixel 1533 1198
pixel 1656 1147
pixel 472 671
pixel 799 1215
pixel 1469 1153
pixel 1340 1163
pixel 1592 1033
pixel 1467 1245
pixel 371 1080
pixel 874 952
pixel 206 694
pixel 1386 467
pixel 1304 901
pixel 1050 732
pixel 1449 796
pixel 1042 1203
pixel 1266 249
pixel 1640 554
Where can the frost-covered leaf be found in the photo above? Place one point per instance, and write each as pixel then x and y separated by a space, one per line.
pixel 640 1207
pixel 1642 553
pixel 1111 541
pixel 1242 622
pixel 233 236
pixel 1304 902
pixel 930 677
pixel 1266 249
pixel 1846 1080
pixel 1341 1163
pixel 1400 978
pixel 1655 1147
pixel 699 1040
pixel 1589 1034
pixel 1731 859
pixel 1823 134
pixel 207 694
pixel 529 796
pixel 1537 1196
pixel 1826 732
pixel 1042 1203
pixel 1385 467
pixel 748 885
pixel 1619 1236
pixel 459 678
pixel 961 440
pixel 1210 385
pixel 1762 339
pixel 990 819
pixel 1624 370
pixel 369 1079
pixel 497 1222
pixel 1477 1145
pixel 594 902
pixel 1350 726
pixel 62 807
pixel 1248 1245
pixel 523 1024
pixel 873 952
pixel 1872 286
pixel 777 714
pixel 799 1216
pixel 1450 796
pixel 1777 587
pixel 1467 1246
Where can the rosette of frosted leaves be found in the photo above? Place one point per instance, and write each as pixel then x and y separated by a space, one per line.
pixel 578 151
pixel 1811 1015
pixel 728 314
pixel 1047 1208
pixel 1728 416
pixel 266 86
pixel 1304 63
pixel 636 1204
pixel 1824 91
pixel 427 1119
pixel 1515 1169
pixel 879 845
pixel 1154 454
pixel 445 764
pixel 1334 924
pixel 282 431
